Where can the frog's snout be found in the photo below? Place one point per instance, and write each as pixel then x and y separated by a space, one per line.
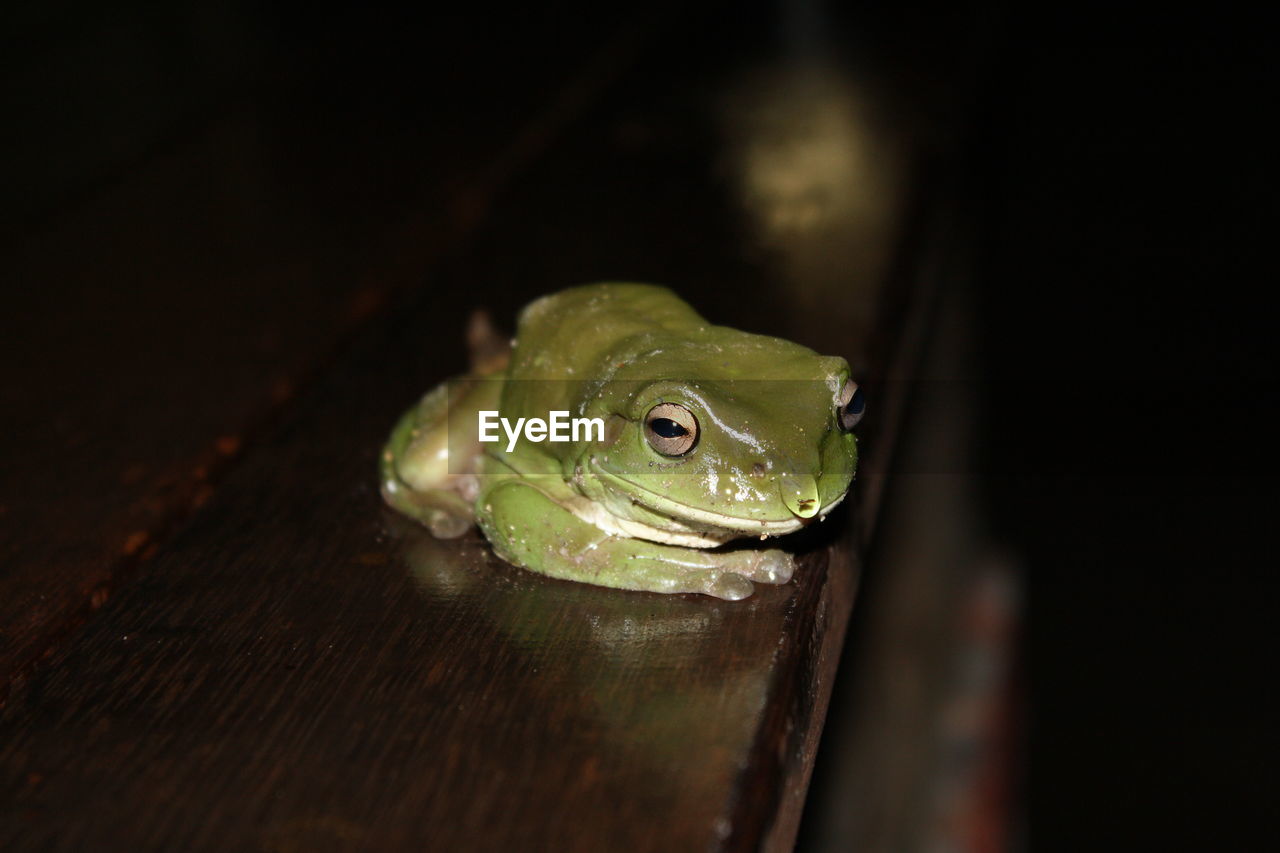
pixel 800 494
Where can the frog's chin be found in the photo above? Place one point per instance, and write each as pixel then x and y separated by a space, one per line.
pixel 691 527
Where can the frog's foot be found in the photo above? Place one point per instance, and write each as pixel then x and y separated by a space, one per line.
pixel 733 572
pixel 529 529
pixel 489 350
pixel 728 586
pixel 765 566
pixel 444 513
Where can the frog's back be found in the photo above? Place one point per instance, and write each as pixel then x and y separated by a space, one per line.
pixel 571 333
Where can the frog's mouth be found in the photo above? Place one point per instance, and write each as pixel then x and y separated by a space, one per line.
pixel 717 522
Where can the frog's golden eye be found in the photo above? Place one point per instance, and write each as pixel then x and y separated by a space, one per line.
pixel 671 429
pixel 850 405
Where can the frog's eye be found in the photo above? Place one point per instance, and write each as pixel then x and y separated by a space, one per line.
pixel 671 429
pixel 850 405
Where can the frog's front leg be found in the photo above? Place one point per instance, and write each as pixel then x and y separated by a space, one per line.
pixel 428 463
pixel 442 509
pixel 528 528
pixel 444 513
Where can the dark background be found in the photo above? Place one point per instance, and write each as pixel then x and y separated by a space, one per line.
pixel 1125 269
pixel 1112 169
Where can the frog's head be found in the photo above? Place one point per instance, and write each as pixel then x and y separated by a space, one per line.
pixel 747 435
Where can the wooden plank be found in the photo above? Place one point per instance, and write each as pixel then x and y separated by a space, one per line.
pixel 154 326
pixel 300 669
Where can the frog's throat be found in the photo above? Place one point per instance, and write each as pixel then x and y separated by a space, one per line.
pixel 599 517
pixel 720 527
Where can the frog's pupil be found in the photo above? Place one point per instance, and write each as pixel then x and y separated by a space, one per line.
pixel 856 404
pixel 667 428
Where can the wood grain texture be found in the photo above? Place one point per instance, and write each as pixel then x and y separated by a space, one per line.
pixel 298 668
pixel 302 669
pixel 154 322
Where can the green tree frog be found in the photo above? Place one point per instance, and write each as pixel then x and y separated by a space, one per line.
pixel 703 435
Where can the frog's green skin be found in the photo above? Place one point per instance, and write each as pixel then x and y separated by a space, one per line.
pixel 770 457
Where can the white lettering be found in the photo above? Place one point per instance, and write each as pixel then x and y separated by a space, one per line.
pixel 589 425
pixel 512 434
pixel 559 423
pixel 488 421
pixel 560 427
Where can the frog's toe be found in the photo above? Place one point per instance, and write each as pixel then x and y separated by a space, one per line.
pixel 729 586
pixel 772 566
pixel 444 525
